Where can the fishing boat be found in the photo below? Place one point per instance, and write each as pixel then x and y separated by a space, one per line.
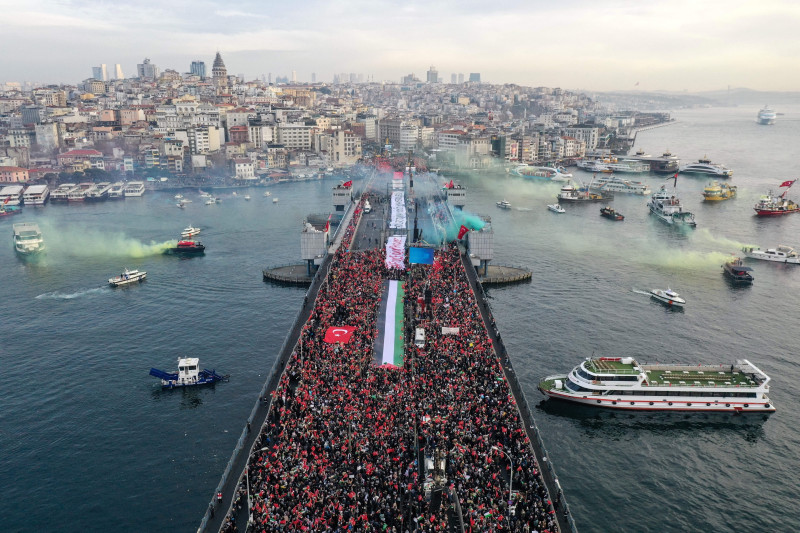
pixel 127 277
pixel 781 254
pixel 28 238
pixel 188 375
pixel 737 272
pixel 610 213
pixel 667 207
pixel 556 208
pixel 668 297
pixel 716 191
pixel 186 247
pixel 8 210
pixel 190 232
pixel 770 205
pixel 504 204
pixel 624 383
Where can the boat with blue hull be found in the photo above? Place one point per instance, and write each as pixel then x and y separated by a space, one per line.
pixel 188 375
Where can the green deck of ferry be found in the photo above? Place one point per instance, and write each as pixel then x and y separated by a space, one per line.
pixel 705 377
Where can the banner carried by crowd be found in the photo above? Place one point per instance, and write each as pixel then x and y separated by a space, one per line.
pixel 399 220
pixel 396 252
pixel 389 347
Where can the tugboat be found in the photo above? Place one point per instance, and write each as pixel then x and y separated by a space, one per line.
pixel 187 248
pixel 770 205
pixel 737 272
pixel 127 277
pixel 188 375
pixel 610 213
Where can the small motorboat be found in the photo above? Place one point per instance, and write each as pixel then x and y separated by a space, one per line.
pixel 246 196
pixel 668 297
pixel 190 232
pixel 186 247
pixel 180 206
pixel 267 194
pixel 274 200
pixel 611 214
pixel 781 254
pixel 210 202
pixel 187 375
pixel 218 200
pixel 204 194
pixel 556 208
pixel 178 196
pixel 127 277
pixel 737 272
pixel 504 204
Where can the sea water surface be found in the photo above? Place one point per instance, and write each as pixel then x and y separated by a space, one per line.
pixel 91 443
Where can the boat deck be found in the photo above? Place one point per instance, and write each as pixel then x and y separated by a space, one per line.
pixel 716 377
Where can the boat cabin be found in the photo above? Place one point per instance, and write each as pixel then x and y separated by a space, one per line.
pixel 188 370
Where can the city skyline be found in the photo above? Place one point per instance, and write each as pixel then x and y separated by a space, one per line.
pixel 676 45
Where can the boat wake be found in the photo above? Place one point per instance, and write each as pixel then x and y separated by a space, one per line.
pixel 646 293
pixel 57 295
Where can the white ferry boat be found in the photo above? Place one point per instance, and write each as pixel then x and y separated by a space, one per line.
pixel 767 116
pixel 78 194
pixel 134 189
pixel 28 238
pixel 117 191
pixel 623 383
pixel 615 184
pixel 545 173
pixel 36 195
pixel 705 166
pixel 781 254
pixel 667 207
pixel 12 195
pixel 99 192
pixel 127 277
pixel 614 165
pixel 61 194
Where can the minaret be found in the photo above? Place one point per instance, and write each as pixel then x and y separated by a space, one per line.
pixel 220 74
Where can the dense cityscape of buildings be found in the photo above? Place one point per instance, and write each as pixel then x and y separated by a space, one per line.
pixel 167 123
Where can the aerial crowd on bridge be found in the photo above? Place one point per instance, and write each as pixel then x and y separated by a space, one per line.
pixel 345 441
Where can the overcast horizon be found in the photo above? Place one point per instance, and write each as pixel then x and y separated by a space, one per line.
pixel 677 45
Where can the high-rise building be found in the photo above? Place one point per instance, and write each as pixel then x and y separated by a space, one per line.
pixel 460 77
pixel 313 77
pixel 475 76
pixel 453 79
pixel 198 68
pixel 147 70
pixel 118 72
pixel 100 73
pixel 220 74
pixel 294 76
pixel 433 75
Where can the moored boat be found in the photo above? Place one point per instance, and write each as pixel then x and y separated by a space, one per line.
pixel 187 375
pixel 770 205
pixel 737 272
pixel 668 296
pixel 186 247
pixel 8 210
pixel 127 277
pixel 611 213
pixel 36 195
pixel 781 254
pixel 716 191
pixel 570 193
pixel 623 383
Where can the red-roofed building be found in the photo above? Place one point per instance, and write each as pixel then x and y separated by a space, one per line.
pixel 81 159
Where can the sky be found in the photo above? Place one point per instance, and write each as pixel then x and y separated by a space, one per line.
pixel 591 45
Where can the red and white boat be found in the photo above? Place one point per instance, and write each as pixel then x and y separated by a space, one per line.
pixel 771 205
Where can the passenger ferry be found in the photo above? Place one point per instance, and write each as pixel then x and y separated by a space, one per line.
pixel 545 173
pixel 716 191
pixel 665 164
pixel 36 195
pixel 614 165
pixel 614 184
pixel 667 207
pixel 99 192
pixel 134 189
pixel 570 193
pixel 78 194
pixel 61 194
pixel 767 116
pixel 12 195
pixel 117 191
pixel 705 166
pixel 28 238
pixel 623 383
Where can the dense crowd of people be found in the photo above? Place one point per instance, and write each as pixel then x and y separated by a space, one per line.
pixel 341 445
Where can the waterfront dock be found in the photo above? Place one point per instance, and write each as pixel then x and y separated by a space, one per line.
pixel 332 426
pixel 501 275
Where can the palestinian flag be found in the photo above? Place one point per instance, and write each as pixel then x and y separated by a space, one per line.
pixel 389 344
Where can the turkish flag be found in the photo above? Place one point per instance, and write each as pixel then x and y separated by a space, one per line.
pixel 787 183
pixel 339 334
pixel 348 183
pixel 463 231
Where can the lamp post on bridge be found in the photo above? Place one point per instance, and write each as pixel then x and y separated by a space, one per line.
pixel 510 480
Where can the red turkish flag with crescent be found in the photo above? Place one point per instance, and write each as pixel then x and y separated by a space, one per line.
pixel 339 334
pixel 463 231
pixel 348 183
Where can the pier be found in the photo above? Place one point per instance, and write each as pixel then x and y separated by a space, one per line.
pixel 337 439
